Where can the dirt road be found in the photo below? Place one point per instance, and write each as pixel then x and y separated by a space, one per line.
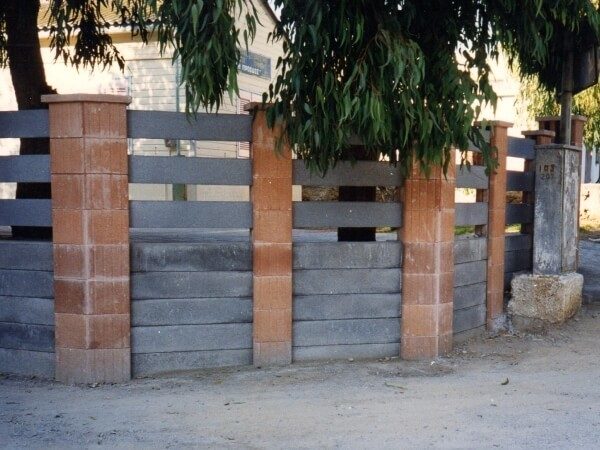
pixel 506 392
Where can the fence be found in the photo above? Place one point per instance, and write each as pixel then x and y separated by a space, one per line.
pixel 142 287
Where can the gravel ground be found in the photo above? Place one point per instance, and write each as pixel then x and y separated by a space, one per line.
pixel 509 391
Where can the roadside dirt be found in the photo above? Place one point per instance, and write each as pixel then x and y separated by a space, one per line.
pixel 510 391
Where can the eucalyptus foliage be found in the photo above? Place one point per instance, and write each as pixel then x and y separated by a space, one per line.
pixel 405 77
pixel 540 101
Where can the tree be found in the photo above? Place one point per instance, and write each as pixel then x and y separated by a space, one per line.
pixel 540 101
pixel 385 71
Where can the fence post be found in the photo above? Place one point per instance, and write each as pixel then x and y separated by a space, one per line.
pixel 271 196
pixel 428 263
pixel 496 227
pixel 90 220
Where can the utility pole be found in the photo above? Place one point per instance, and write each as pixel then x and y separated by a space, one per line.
pixel 566 97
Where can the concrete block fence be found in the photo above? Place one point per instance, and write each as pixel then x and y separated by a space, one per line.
pixel 129 288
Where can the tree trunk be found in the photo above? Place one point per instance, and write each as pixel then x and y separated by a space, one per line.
pixel 29 81
pixel 357 194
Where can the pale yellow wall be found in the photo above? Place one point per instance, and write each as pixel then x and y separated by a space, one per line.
pixel 150 79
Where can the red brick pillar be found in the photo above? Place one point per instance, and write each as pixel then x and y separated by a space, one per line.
pixel 90 219
pixel 271 195
pixel 552 123
pixel 496 228
pixel 428 264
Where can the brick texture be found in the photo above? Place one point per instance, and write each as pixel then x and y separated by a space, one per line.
pixel 428 264
pixel 496 228
pixel 88 150
pixel 271 195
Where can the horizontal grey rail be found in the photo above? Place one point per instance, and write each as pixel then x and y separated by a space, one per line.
pixel 32 123
pixel 469 318
pixel 346 306
pixel 473 177
pixel 153 363
pixel 189 257
pixel 33 311
pixel 176 125
pixel 185 338
pixel 26 168
pixel 347 281
pixel 519 213
pixel 191 311
pixel 473 148
pixel 26 283
pixel 346 214
pixel 469 295
pixel 335 332
pixel 344 351
pixel 180 285
pixel 26 212
pixel 467 249
pixel 470 273
pixel 471 214
pixel 207 171
pixel 181 214
pixel 518 241
pixel 361 173
pixel 27 362
pixel 19 336
pixel 347 255
pixel 521 147
pixel 520 181
pixel 26 255
pixel 518 260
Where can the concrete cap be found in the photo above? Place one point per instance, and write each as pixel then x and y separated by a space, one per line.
pixel 534 133
pixel 86 98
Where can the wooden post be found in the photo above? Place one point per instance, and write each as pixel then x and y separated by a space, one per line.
pixel 428 264
pixel 271 196
pixel 90 219
pixel 496 228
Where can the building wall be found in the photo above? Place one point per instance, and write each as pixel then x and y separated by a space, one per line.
pixel 151 80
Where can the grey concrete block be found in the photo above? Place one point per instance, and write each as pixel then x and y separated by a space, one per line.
pixel 518 241
pixel 470 273
pixel 191 257
pixel 518 260
pixel 340 332
pixel 26 283
pixel 470 295
pixel 194 311
pixel 471 213
pixel 156 285
pixel 26 255
pixel 467 249
pixel 357 351
pixel 156 363
pixel 39 338
pixel 346 306
pixel 347 255
pixel 347 281
pixel 548 298
pixel 469 318
pixel 184 338
pixel 25 362
pixel 25 310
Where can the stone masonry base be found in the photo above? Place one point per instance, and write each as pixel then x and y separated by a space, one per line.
pixel 541 300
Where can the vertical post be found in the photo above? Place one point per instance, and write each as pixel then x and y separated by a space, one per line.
pixel 90 219
pixel 271 195
pixel 541 137
pixel 428 263
pixel 496 228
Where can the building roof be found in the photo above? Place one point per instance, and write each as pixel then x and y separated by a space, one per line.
pixel 113 19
